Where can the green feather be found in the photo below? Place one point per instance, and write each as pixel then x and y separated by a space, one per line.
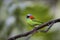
pixel 33 22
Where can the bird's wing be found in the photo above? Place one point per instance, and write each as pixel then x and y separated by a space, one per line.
pixel 35 20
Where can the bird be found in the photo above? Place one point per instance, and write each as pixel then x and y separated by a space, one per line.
pixel 31 20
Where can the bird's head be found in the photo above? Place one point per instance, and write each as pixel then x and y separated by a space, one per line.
pixel 30 16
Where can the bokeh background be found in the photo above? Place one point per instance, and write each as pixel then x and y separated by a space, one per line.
pixel 13 18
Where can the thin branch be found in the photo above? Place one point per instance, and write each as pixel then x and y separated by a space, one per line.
pixel 34 30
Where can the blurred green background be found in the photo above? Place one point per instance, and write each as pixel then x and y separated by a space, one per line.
pixel 13 18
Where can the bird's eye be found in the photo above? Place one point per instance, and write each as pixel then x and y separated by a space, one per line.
pixel 27 16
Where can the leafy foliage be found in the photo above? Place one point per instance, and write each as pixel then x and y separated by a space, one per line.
pixel 41 13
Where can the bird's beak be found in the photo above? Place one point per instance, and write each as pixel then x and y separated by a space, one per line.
pixel 31 17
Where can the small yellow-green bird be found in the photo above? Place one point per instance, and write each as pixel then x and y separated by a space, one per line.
pixel 31 21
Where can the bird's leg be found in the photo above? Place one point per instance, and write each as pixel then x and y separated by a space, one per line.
pixel 50 25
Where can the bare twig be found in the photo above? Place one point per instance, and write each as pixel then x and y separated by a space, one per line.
pixel 34 30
